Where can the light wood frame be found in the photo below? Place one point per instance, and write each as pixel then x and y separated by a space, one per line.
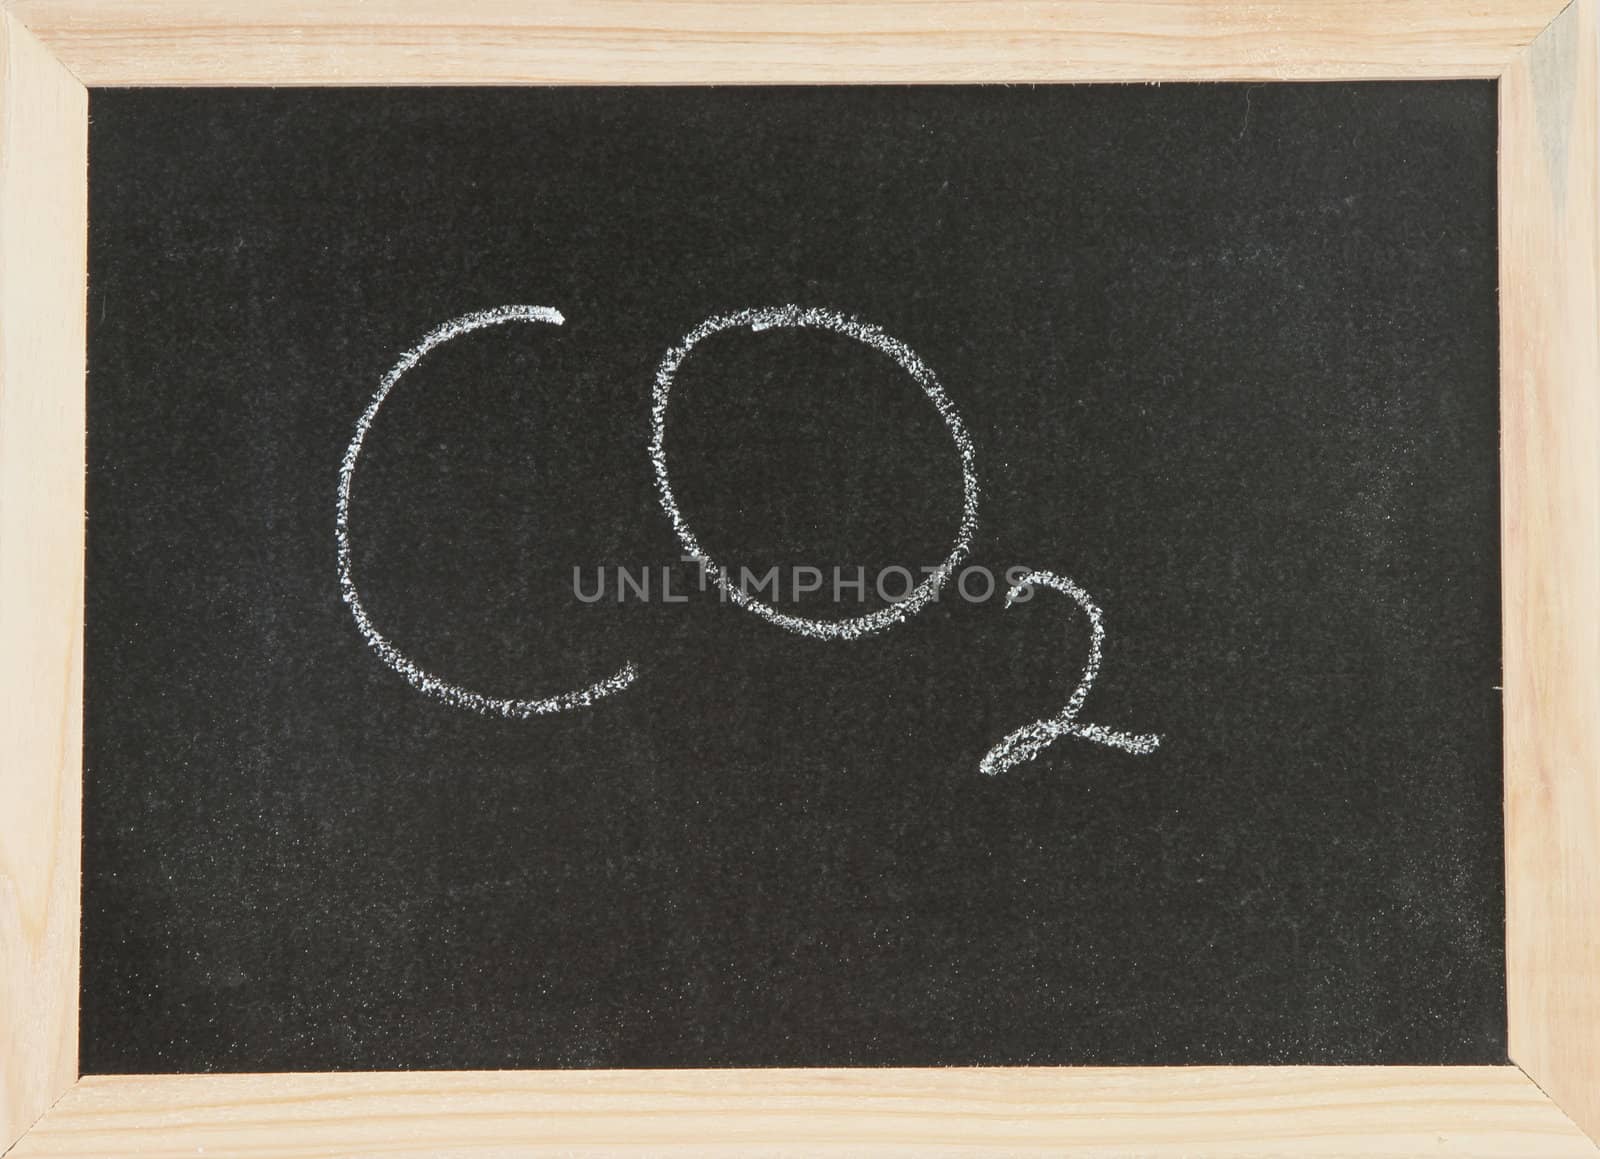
pixel 1545 57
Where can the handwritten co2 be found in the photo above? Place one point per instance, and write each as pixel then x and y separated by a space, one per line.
pixel 1021 745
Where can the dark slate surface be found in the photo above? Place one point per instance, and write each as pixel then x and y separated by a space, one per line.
pixel 1227 355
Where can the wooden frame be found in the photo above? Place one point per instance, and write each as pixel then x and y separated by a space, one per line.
pixel 1547 60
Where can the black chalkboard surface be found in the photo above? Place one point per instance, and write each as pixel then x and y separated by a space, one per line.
pixel 1220 361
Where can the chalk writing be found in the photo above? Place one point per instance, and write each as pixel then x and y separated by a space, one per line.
pixel 416 676
pixel 1030 740
pixel 1021 745
pixel 774 317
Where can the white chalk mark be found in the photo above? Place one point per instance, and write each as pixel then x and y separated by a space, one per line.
pixel 427 682
pixel 773 317
pixel 1030 740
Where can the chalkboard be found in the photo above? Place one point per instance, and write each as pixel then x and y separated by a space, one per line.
pixel 455 457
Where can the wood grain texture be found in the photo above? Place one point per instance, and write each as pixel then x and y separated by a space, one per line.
pixel 1550 511
pixel 43 163
pixel 692 41
pixel 1197 1112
